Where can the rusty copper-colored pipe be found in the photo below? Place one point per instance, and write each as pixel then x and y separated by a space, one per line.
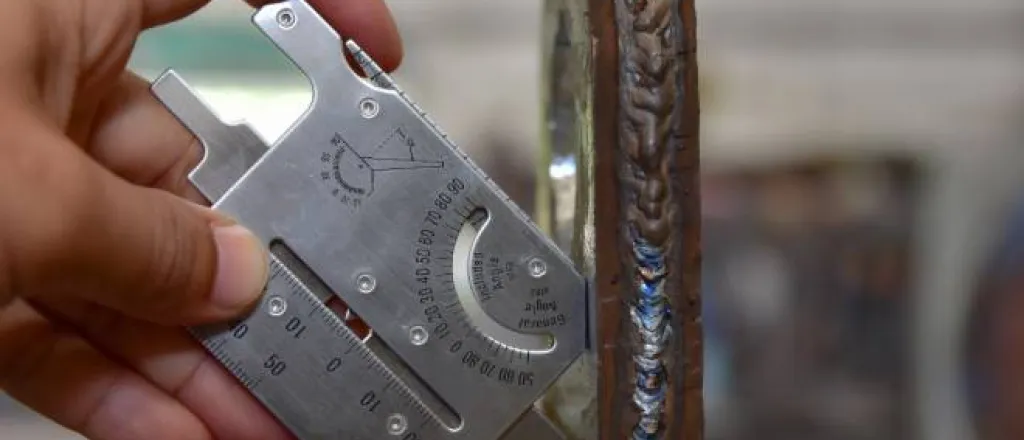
pixel 646 149
pixel 623 100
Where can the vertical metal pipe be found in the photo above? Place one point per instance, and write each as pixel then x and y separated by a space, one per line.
pixel 646 119
pixel 567 202
pixel 621 108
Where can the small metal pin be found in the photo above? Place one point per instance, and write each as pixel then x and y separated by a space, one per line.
pixel 418 335
pixel 366 283
pixel 369 108
pixel 397 424
pixel 276 306
pixel 286 19
pixel 537 267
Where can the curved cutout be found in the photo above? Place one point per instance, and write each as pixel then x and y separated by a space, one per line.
pixel 465 242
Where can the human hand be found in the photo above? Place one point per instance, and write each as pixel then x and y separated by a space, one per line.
pixel 102 256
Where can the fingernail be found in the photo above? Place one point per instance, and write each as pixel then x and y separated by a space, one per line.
pixel 241 267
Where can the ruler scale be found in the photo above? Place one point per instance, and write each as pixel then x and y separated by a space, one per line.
pixel 366 202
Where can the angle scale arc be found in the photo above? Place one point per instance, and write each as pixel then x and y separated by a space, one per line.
pixel 503 310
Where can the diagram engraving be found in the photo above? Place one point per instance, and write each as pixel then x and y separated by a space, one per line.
pixel 354 170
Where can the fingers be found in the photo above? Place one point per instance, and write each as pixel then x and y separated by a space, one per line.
pixel 140 141
pixel 65 379
pixel 158 12
pixel 370 23
pixel 80 230
pixel 163 245
pixel 367 21
pixel 137 138
pixel 175 363
pixel 172 263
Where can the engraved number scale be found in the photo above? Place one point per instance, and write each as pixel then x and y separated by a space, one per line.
pixel 474 312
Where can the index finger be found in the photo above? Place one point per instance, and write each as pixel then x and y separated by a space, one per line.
pixel 368 22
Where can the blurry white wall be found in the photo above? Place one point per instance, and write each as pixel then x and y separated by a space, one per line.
pixel 941 79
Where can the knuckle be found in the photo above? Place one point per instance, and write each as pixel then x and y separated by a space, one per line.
pixel 102 321
pixel 109 28
pixel 174 178
pixel 173 275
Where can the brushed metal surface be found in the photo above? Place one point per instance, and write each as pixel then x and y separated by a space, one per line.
pixel 468 298
pixel 230 149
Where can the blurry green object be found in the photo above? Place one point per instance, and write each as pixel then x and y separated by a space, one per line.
pixel 210 47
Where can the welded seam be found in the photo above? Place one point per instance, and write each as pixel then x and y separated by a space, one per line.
pixel 650 315
pixel 649 33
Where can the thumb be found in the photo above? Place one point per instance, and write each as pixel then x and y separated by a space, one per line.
pixel 142 251
pixel 174 262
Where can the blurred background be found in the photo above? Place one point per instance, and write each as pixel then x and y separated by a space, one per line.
pixel 863 204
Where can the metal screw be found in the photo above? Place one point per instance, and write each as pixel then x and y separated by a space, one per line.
pixel 276 306
pixel 397 424
pixel 418 335
pixel 286 19
pixel 369 108
pixel 366 283
pixel 537 267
